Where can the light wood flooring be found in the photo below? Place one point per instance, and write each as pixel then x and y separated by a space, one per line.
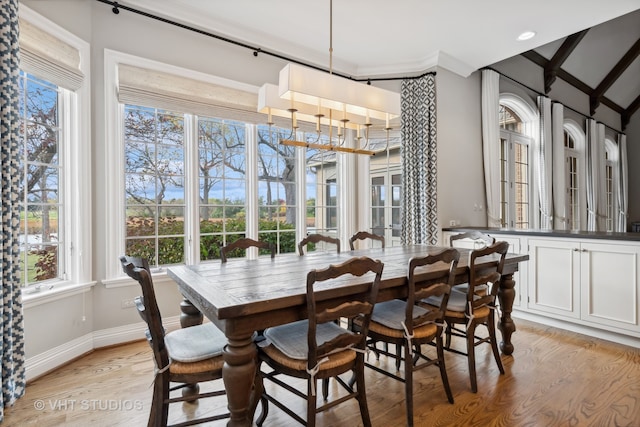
pixel 554 378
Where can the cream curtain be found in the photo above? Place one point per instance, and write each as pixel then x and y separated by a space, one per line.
pixel 544 164
pixel 491 144
pixel 559 185
pixel 596 197
pixel 623 182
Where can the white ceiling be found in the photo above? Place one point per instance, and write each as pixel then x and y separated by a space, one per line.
pixel 374 38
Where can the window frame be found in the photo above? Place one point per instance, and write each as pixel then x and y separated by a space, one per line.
pixel 530 135
pixel 575 131
pixel 75 116
pixel 114 153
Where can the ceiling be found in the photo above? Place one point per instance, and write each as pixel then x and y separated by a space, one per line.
pixel 379 38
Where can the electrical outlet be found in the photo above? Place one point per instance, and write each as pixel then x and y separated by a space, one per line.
pixel 452 223
pixel 127 303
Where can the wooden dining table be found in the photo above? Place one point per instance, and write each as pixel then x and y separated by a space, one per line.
pixel 246 295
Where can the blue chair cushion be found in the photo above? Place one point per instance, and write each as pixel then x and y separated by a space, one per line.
pixel 291 339
pixel 195 343
pixel 392 313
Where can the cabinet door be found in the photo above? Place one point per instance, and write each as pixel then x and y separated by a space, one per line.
pixel 554 277
pixel 610 284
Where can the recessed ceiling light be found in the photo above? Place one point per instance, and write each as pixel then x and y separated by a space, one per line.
pixel 526 35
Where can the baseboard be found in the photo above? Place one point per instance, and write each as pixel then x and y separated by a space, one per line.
pixel 630 341
pixel 52 359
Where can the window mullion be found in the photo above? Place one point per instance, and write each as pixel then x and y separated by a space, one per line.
pixel 251 185
pixel 191 179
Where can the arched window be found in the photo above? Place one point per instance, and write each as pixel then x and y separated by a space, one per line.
pixel 574 141
pixel 516 119
pixel 611 182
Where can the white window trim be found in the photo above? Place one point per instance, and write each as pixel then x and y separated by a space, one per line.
pixel 78 171
pixel 611 148
pixel 530 119
pixel 578 135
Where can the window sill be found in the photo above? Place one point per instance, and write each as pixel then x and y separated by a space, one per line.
pixel 58 291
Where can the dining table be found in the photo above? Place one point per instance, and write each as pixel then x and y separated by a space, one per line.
pixel 246 295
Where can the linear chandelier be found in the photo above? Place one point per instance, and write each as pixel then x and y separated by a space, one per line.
pixel 314 96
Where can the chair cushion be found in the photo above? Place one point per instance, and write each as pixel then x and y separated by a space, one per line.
pixel 457 301
pixel 291 339
pixel 195 343
pixel 392 313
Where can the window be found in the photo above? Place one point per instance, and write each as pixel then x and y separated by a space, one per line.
pixel 386 185
pixel 54 116
pixel 610 183
pixel 196 173
pixel 321 189
pixel 276 189
pixel 42 208
pixel 154 184
pixel 221 184
pixel 515 172
pixel 574 174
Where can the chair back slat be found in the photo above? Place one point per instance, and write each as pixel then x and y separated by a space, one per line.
pixel 246 243
pixel 363 235
pixel 442 288
pixel 482 275
pixel 361 305
pixel 317 238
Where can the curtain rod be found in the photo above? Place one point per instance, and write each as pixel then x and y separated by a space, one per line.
pixel 543 94
pixel 256 50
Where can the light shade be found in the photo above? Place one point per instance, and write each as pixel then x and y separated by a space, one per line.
pixel 319 89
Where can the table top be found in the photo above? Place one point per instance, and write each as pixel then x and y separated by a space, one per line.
pixel 255 288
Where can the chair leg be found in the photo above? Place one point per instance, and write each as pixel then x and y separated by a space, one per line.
pixel 408 382
pixel 491 326
pixel 443 370
pixel 471 356
pixel 448 333
pixel 311 404
pixel 258 394
pixel 160 402
pixel 399 356
pixel 361 391
pixel 325 388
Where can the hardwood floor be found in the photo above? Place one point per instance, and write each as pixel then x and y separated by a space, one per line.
pixel 555 378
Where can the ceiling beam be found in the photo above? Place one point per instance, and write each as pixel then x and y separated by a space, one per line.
pixel 553 65
pixel 540 60
pixel 596 96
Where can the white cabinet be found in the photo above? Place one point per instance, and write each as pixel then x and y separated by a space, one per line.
pixel 554 277
pixel 609 285
pixel 585 280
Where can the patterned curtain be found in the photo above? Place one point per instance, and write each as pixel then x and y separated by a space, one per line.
pixel 418 153
pixel 12 350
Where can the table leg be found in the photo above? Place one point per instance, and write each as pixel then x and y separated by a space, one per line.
pixel 190 315
pixel 506 296
pixel 238 374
